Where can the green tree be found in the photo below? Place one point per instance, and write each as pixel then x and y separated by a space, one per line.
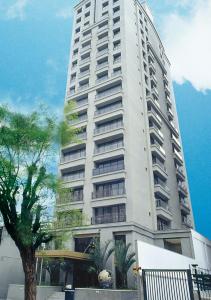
pixel 29 143
pixel 99 255
pixel 123 261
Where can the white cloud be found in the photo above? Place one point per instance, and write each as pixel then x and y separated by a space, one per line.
pixel 17 10
pixel 65 13
pixel 188 44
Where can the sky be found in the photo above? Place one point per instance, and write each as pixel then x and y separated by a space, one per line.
pixel 34 53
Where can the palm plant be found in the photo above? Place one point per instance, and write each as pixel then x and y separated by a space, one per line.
pixel 100 255
pixel 123 261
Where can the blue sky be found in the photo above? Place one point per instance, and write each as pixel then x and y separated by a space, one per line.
pixel 35 40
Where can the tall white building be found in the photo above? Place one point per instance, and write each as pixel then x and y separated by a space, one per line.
pixel 127 174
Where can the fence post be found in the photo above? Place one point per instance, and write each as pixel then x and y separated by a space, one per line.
pixel 197 281
pixel 190 284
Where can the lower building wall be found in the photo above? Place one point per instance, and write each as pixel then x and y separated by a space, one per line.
pixel 202 250
pixel 16 292
pixel 11 270
pixel 94 294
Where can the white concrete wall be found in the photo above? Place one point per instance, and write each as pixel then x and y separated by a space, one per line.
pixel 202 250
pixel 152 257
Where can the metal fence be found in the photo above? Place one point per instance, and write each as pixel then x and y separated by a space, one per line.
pixel 202 283
pixel 167 285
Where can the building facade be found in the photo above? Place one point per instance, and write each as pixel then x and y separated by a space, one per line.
pixel 127 174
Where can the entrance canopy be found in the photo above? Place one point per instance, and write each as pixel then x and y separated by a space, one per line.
pixel 62 254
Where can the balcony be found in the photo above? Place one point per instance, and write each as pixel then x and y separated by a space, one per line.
pixel 117 47
pixel 73 156
pixel 108 193
pixel 105 39
pixel 117 60
pixel 165 79
pixel 79 119
pixel 109 92
pixel 73 198
pixel 101 79
pixel 151 56
pixel 162 190
pixel 184 206
pixel 154 103
pixel 85 60
pixel 82 74
pixel 187 222
pixel 102 65
pixel 159 169
pixel 108 109
pixel 109 148
pixel 174 128
pixel 176 142
pixel 167 90
pixel 157 134
pixel 163 210
pixel 163 227
pixel 180 173
pixel 83 87
pixel 109 218
pixel 83 49
pixel 158 151
pixel 153 79
pixel 73 176
pixel 102 52
pixel 154 117
pixel 87 36
pixel 108 169
pixel 108 128
pixel 155 92
pixel 152 67
pixel 82 135
pixel 182 189
pixel 170 114
pixel 168 100
pixel 178 157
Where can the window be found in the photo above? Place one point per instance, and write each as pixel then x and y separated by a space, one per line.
pixel 69 155
pixel 117 45
pixel 83 244
pixel 109 166
pixel 109 214
pixel 102 62
pixel 116 32
pixel 87 14
pixel 109 126
pixel 74 175
pixel 109 107
pixel 79 11
pixel 86 23
pixel 116 20
pixel 110 145
pixel 105 13
pixel 88 4
pixel 103 36
pixel 77 30
pixel 76 194
pixel 78 20
pixel 117 71
pixel 116 9
pixel 117 58
pixel 76 41
pixel 102 76
pixel 173 245
pixel 87 33
pixel 105 4
pixel 163 224
pixel 104 24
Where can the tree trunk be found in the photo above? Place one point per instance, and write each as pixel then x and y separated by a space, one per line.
pixel 29 267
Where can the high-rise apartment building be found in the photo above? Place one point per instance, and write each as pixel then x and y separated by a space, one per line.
pixel 127 174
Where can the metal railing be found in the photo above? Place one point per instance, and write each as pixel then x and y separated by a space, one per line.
pixel 107 128
pixel 75 176
pixel 162 204
pixel 74 156
pixel 109 218
pixel 109 92
pixel 108 148
pixel 108 169
pixel 109 108
pixel 108 193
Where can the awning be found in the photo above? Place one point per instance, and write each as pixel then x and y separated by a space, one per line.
pixel 62 254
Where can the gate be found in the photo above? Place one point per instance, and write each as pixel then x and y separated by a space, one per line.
pixel 167 285
pixel 202 283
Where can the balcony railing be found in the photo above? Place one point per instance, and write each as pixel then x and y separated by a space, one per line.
pixel 108 148
pixel 163 227
pixel 82 74
pixel 183 187
pixel 80 103
pixel 155 92
pixel 105 39
pixel 159 148
pixel 184 203
pixel 105 51
pixel 78 120
pixel 117 60
pixel 74 156
pixel 109 92
pixel 109 218
pixel 83 87
pixel 85 48
pixel 108 128
pixel 102 65
pixel 107 109
pixel 71 177
pixel 160 164
pixel 108 169
pixel 86 60
pixel 116 73
pixel 72 198
pixel 108 193
pixel 163 185
pixel 178 155
pixel 162 204
pixel 117 47
pixel 82 135
pixel 101 79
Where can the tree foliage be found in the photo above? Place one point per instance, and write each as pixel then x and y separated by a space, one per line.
pixel 99 255
pixel 29 143
pixel 123 260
